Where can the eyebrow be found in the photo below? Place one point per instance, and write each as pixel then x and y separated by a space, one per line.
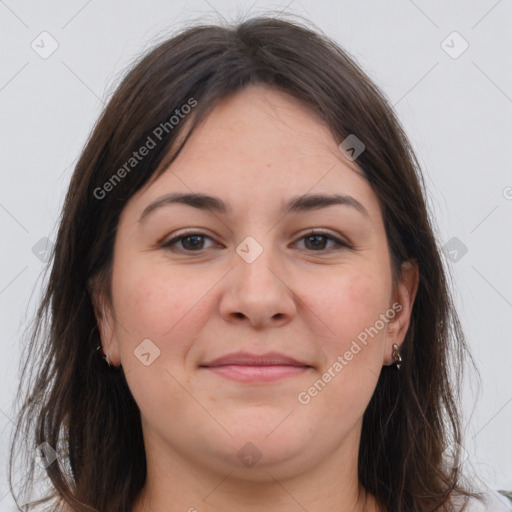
pixel 301 203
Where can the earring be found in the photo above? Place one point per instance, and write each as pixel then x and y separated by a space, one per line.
pixel 106 357
pixel 397 357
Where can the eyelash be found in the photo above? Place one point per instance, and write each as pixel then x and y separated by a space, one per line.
pixel 168 245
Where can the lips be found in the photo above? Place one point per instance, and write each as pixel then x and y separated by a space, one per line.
pixel 248 359
pixel 256 369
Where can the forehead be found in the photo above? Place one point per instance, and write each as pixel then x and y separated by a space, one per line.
pixel 263 125
pixel 257 148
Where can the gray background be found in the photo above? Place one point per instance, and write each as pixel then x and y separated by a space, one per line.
pixel 456 109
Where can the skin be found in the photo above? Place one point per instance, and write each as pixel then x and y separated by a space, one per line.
pixel 256 150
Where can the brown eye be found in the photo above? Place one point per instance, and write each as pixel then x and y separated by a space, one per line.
pixel 189 242
pixel 317 241
pixel 195 242
pixel 192 242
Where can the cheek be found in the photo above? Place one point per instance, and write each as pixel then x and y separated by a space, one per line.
pixel 348 302
pixel 159 304
pixel 155 302
pixel 351 306
pixel 154 298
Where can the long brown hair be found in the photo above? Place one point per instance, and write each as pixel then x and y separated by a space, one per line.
pixel 84 410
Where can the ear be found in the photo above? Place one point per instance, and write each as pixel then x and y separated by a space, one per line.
pixel 103 311
pixel 403 301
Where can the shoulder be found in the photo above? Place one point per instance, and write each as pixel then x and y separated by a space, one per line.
pixel 65 508
pixel 491 502
pixel 60 506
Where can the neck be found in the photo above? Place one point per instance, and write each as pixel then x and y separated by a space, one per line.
pixel 176 483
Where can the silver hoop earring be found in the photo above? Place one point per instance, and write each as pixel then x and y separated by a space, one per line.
pixel 397 357
pixel 105 356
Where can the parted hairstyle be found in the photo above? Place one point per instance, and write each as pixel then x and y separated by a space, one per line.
pixel 84 410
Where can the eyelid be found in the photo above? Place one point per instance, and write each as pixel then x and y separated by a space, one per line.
pixel 326 233
pixel 183 234
pixel 341 244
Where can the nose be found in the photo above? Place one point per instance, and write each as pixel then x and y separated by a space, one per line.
pixel 257 292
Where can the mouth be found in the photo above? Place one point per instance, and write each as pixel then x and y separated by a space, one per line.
pixel 245 367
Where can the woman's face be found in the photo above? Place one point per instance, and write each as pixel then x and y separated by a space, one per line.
pixel 251 277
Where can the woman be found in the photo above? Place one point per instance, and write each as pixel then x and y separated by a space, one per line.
pixel 248 306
